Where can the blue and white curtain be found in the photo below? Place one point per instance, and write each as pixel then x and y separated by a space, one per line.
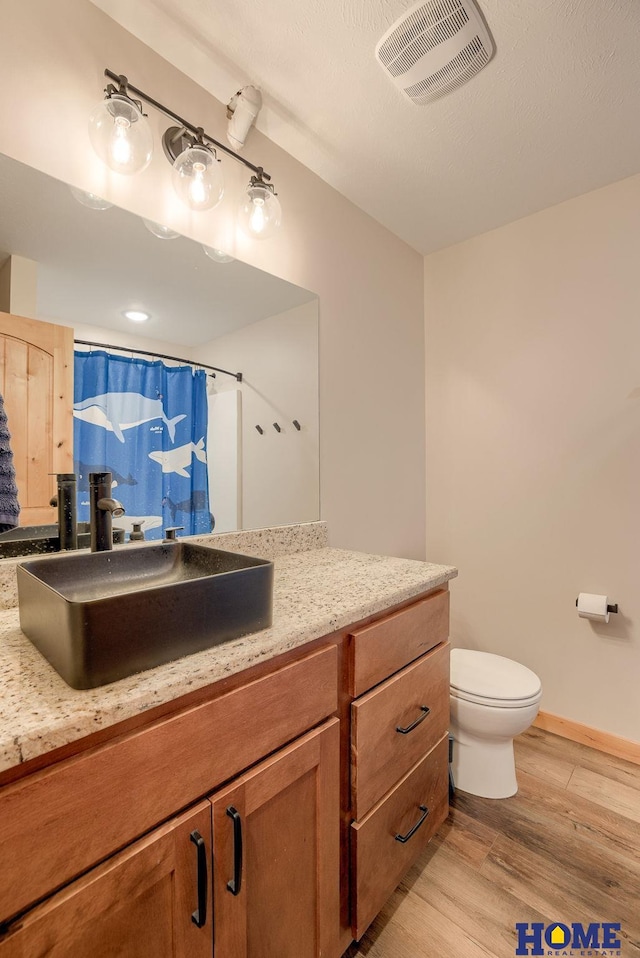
pixel 146 423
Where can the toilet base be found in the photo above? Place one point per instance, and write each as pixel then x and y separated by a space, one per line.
pixel 483 760
pixel 485 768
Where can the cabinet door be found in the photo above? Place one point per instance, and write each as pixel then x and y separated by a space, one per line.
pixel 36 382
pixel 142 902
pixel 276 854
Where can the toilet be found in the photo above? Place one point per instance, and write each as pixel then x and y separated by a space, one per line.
pixel 493 699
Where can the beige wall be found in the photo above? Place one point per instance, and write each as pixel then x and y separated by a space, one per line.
pixel 133 340
pixel 369 282
pixel 18 286
pixel 278 357
pixel 533 456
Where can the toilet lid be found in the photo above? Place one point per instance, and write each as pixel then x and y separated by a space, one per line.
pixel 487 676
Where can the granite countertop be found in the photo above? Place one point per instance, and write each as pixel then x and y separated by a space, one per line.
pixel 317 591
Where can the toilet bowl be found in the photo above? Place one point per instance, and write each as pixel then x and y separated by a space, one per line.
pixel 493 699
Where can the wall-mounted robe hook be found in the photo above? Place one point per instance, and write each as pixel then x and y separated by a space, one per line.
pixel 297 425
pixel 277 427
pixel 260 429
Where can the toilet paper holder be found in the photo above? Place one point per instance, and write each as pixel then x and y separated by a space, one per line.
pixel 610 608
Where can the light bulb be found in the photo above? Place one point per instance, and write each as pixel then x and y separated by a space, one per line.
pixel 120 145
pixel 197 187
pixel 257 217
pixel 120 134
pixel 260 213
pixel 197 178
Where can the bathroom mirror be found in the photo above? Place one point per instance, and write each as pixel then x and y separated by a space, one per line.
pixel 89 266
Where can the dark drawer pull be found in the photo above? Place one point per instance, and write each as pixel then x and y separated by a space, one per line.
pixel 424 712
pixel 199 916
pixel 234 885
pixel 412 831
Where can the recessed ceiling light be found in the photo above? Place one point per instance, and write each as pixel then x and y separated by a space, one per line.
pixel 136 315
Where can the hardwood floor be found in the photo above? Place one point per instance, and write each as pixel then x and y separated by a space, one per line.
pixel 566 849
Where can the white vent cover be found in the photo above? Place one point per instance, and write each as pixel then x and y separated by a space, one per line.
pixel 435 48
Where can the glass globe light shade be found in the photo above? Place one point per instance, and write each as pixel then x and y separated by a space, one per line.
pixel 162 232
pixel 121 135
pixel 260 213
pixel 218 255
pixel 91 200
pixel 197 178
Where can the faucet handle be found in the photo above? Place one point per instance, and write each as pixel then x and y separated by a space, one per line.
pixel 61 477
pixel 170 533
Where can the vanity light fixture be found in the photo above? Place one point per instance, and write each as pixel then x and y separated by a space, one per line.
pixel 197 178
pixel 218 255
pixel 260 213
pixel 136 315
pixel 121 136
pixel 120 132
pixel 162 232
pixel 91 200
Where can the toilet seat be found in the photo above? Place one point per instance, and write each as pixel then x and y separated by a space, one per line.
pixel 492 680
pixel 495 703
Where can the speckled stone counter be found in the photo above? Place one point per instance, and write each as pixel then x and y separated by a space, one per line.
pixel 317 591
pixel 262 543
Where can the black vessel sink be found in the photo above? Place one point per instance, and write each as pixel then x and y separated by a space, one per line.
pixel 107 615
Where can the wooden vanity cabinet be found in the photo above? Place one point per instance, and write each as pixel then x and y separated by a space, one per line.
pixel 396 724
pixel 60 821
pixel 271 859
pixel 298 778
pixel 140 903
pixel 399 748
pixel 276 854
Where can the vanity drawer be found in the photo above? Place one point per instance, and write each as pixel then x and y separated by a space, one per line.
pixel 378 859
pixel 385 646
pixel 59 822
pixel 380 752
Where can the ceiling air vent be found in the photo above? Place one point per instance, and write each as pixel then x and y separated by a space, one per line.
pixel 435 48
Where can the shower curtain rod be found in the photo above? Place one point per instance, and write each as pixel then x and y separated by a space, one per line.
pixel 146 352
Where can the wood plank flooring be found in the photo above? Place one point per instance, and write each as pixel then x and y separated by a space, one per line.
pixel 566 848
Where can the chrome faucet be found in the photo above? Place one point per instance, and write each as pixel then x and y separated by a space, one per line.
pixel 102 508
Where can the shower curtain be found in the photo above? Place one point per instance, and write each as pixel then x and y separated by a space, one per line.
pixel 146 423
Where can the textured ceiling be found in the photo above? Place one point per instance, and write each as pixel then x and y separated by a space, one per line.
pixel 552 116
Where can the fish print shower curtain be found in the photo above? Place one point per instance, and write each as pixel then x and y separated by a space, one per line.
pixel 146 423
